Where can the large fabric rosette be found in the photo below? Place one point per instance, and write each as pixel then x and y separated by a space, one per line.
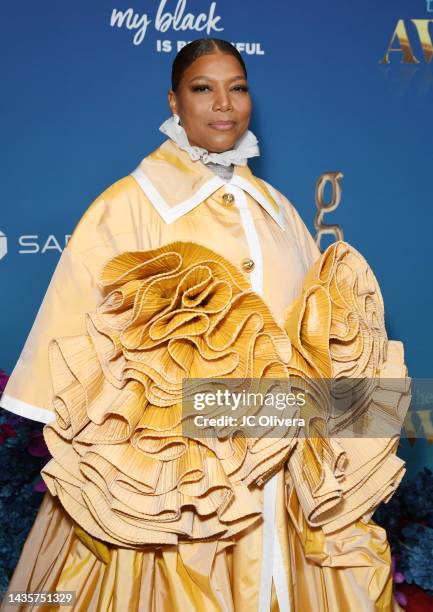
pixel 122 465
pixel 345 463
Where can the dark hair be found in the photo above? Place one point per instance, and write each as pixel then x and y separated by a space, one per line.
pixel 195 49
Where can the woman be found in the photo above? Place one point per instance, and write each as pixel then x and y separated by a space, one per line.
pixel 192 266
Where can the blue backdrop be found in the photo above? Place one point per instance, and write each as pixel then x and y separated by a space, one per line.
pixel 83 96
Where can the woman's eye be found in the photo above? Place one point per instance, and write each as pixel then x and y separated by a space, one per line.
pixel 205 87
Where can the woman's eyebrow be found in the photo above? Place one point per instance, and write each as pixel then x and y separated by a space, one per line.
pixel 203 76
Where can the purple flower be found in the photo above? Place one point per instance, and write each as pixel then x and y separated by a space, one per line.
pixel 3 380
pixel 37 446
pixel 401 598
pixel 40 486
pixel 398 578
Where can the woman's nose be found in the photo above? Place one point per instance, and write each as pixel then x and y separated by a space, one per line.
pixel 222 101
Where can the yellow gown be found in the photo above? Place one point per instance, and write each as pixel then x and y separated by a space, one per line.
pixel 172 273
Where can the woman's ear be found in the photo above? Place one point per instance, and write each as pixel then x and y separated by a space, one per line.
pixel 172 102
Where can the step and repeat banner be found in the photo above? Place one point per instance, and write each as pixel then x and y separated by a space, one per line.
pixel 337 87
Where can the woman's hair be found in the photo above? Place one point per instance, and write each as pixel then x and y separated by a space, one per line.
pixel 197 48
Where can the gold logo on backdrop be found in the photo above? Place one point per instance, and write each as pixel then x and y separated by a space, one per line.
pixel 326 207
pixel 401 39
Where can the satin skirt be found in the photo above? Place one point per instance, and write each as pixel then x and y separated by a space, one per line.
pixel 350 571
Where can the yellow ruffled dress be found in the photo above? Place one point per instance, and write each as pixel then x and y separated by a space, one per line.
pixel 141 517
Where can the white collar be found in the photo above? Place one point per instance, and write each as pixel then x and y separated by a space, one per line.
pixel 246 146
pixel 175 184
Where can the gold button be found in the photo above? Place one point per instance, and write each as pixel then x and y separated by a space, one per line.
pixel 228 199
pixel 248 264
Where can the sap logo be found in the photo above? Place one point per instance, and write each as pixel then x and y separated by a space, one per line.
pixel 3 245
pixel 32 244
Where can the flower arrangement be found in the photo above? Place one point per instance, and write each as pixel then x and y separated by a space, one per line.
pixel 22 455
pixel 408 520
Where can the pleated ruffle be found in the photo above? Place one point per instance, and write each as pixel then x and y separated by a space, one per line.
pixel 359 393
pixel 122 466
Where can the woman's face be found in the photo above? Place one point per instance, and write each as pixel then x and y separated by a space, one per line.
pixel 213 89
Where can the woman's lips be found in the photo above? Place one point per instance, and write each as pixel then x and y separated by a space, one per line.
pixel 222 125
